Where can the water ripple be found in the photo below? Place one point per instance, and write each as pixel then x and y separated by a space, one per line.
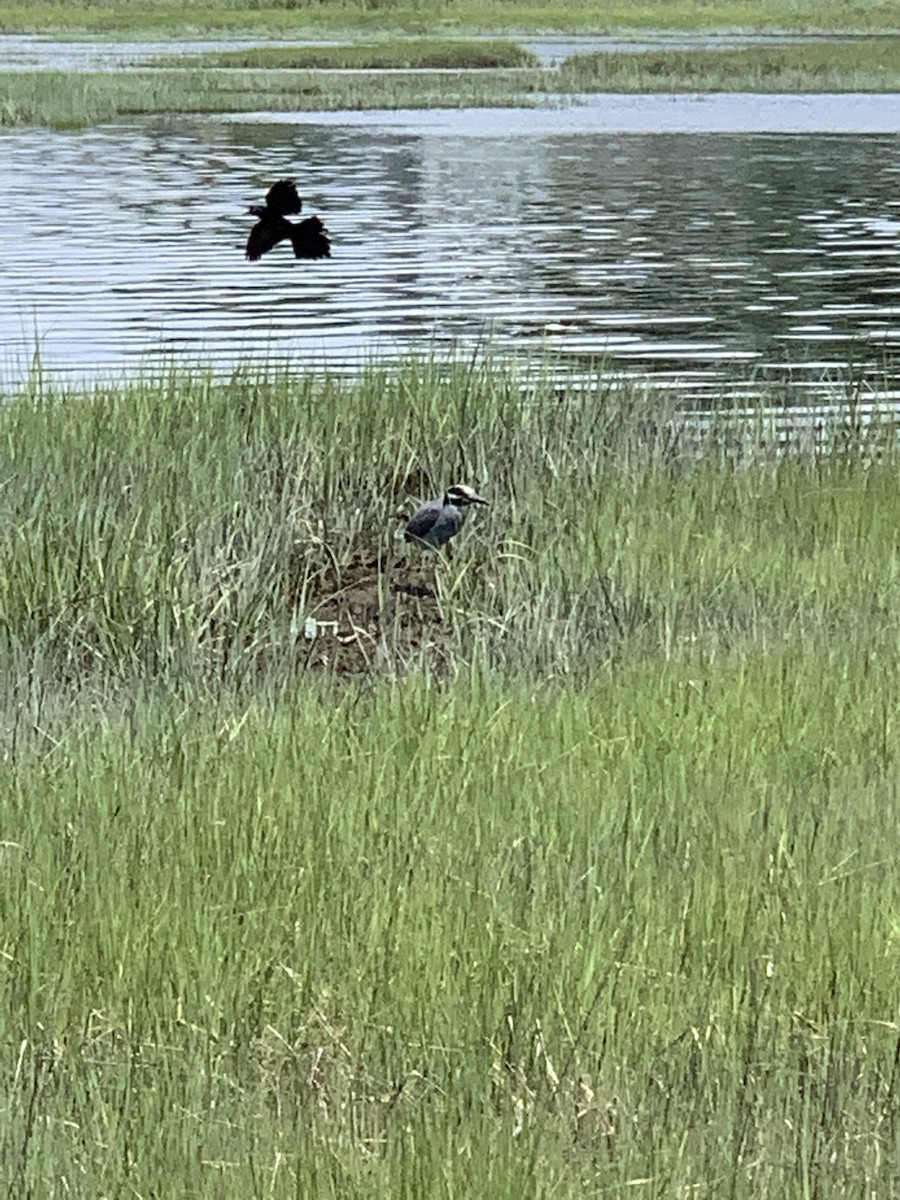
pixel 716 264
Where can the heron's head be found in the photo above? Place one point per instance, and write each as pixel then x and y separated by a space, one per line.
pixel 461 495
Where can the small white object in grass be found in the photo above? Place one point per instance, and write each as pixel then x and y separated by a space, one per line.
pixel 313 628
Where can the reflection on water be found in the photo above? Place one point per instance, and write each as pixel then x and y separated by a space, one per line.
pixel 715 263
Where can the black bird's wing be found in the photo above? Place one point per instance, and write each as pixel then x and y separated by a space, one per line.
pixel 282 198
pixel 264 235
pixel 310 239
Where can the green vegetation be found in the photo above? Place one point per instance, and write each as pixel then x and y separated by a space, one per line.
pixel 165 18
pixel 416 53
pixel 869 65
pixel 74 99
pixel 577 878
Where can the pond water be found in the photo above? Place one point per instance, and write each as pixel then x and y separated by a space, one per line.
pixel 716 262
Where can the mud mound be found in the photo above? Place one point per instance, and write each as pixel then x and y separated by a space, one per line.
pixel 375 613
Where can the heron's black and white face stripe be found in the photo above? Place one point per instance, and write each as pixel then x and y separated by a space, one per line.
pixel 460 495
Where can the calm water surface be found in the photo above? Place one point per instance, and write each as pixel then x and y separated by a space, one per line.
pixel 715 262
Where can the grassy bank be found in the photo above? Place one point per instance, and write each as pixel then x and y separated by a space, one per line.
pixel 66 100
pixel 412 53
pixel 869 65
pixel 164 18
pixel 574 869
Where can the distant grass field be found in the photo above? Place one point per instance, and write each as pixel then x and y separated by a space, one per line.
pixel 165 18
pixel 578 877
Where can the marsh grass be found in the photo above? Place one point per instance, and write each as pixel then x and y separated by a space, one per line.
pixel 592 881
pixel 70 100
pixel 216 510
pixel 416 53
pixel 181 526
pixel 871 64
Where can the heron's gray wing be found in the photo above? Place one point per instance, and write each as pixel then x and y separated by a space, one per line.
pixel 422 522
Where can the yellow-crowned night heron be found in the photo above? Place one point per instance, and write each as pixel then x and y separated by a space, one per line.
pixel 309 238
pixel 438 520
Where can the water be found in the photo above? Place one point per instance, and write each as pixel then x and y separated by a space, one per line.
pixel 717 263
pixel 29 52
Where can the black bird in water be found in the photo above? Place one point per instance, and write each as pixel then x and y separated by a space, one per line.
pixel 309 237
